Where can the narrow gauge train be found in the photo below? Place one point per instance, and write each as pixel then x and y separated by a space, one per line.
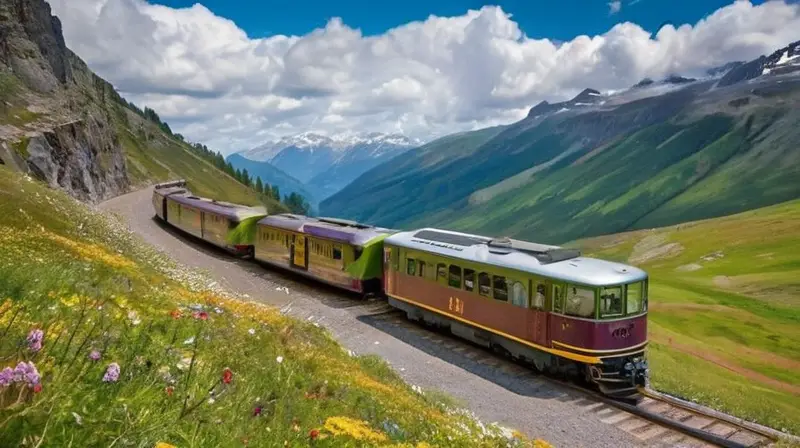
pixel 545 305
pixel 204 218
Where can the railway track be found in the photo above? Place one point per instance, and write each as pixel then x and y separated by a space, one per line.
pixel 656 419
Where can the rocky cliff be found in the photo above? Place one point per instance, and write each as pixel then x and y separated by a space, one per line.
pixel 56 116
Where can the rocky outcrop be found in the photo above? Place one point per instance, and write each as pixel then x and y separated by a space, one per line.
pixel 32 44
pixel 71 142
pixel 81 157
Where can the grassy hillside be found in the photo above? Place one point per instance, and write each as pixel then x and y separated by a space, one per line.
pixel 724 309
pixel 125 355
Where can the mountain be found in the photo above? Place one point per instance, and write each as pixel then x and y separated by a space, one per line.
pixel 326 164
pixel 271 175
pixel 600 163
pixel 67 126
pixel 783 61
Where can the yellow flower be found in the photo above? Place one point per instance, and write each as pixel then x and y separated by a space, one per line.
pixel 357 429
pixel 539 443
pixel 164 445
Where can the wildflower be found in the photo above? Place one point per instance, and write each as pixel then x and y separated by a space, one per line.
pixel 211 400
pixel 189 341
pixel 257 411
pixel 176 314
pixel 169 390
pixel 202 315
pixel 218 310
pixel 112 373
pixel 6 376
pixel 26 372
pixel 134 318
pixel 251 331
pixel 227 375
pixel 35 340
pixel 279 359
pixel 313 434
pixel 78 418
pixel 37 388
pixel 164 445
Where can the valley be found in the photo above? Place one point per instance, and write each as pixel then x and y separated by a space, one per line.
pixel 692 178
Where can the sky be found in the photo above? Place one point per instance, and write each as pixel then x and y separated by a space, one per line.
pixel 235 74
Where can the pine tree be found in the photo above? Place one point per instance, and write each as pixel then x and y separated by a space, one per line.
pixel 259 185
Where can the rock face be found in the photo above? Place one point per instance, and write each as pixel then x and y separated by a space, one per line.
pixel 82 158
pixel 70 143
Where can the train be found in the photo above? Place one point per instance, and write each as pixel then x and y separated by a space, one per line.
pixel 547 306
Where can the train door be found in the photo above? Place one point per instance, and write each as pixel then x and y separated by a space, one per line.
pixel 300 252
pixel 387 270
pixel 539 324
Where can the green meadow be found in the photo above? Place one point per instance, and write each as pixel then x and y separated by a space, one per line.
pixel 724 309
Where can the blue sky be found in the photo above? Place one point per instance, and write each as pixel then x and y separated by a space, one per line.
pixel 559 19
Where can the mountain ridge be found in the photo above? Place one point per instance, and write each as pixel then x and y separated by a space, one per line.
pixel 577 168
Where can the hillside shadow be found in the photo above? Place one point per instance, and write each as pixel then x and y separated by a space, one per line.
pixel 479 361
pixel 329 295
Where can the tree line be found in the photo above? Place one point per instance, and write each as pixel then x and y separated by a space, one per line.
pixel 296 203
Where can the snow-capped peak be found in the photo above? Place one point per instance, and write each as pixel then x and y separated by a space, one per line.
pixel 338 143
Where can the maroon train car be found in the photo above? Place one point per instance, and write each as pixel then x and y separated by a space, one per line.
pixel 546 305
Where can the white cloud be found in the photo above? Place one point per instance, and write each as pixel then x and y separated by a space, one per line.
pixel 614 7
pixel 214 84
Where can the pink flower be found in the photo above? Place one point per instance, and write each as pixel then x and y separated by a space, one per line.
pixel 94 355
pixel 35 340
pixel 112 373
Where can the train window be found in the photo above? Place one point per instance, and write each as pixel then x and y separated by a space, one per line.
pixel 421 268
pixel 538 297
pixel 469 279
pixel 411 267
pixel 500 288
pixel 484 284
pixel 337 253
pixel 441 272
pixel 633 298
pixel 454 279
pixel 558 299
pixel 396 260
pixel 519 295
pixel 611 301
pixel 580 302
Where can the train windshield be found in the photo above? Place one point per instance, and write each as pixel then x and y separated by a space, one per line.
pixel 622 300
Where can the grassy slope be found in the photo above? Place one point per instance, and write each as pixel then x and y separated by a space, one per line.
pixel 90 285
pixel 724 330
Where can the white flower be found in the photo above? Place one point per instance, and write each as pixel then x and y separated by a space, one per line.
pixel 217 310
pixel 189 341
pixel 211 401
pixel 78 418
pixel 251 331
pixel 279 359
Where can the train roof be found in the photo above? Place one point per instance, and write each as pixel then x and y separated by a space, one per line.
pixel 538 259
pixel 349 232
pixel 234 212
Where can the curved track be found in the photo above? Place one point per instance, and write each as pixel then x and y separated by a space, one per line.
pixel 493 388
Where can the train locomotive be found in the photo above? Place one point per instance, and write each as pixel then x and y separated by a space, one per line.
pixel 547 306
